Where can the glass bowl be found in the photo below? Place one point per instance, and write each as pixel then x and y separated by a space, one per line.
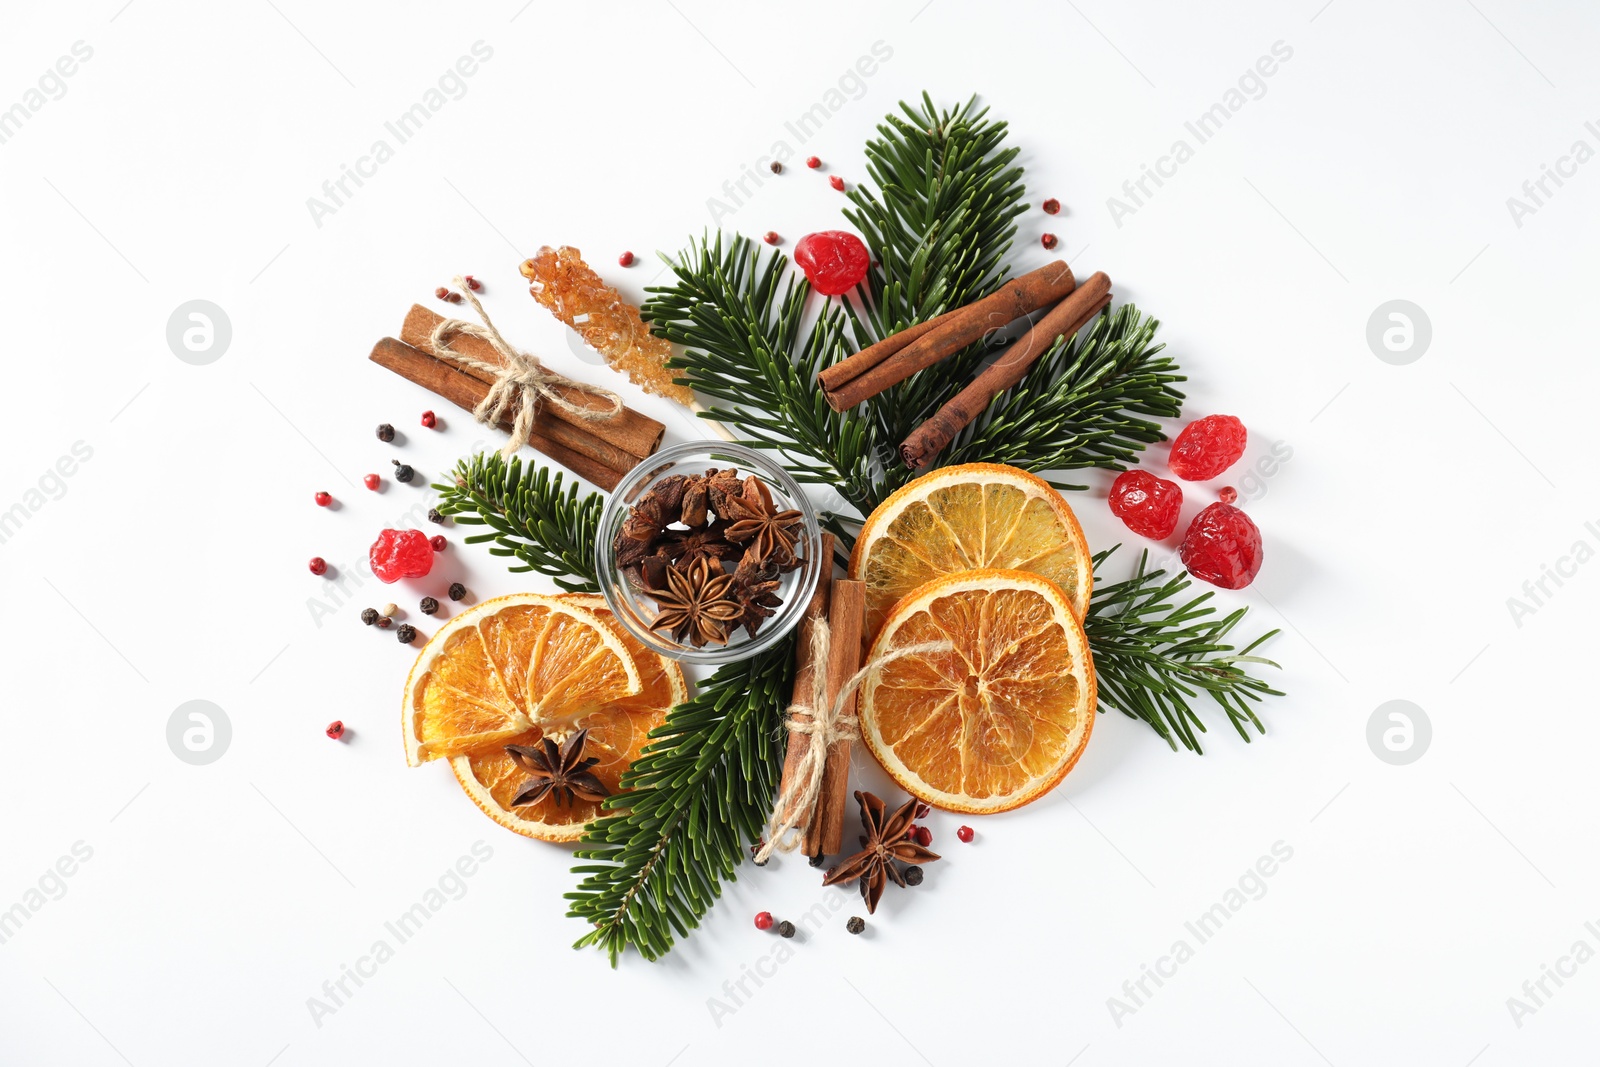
pixel 623 589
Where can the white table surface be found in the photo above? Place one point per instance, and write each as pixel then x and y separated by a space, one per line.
pixel 1375 164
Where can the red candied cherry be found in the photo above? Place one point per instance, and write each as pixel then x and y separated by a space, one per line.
pixel 1207 447
pixel 1222 547
pixel 319 565
pixel 834 261
pixel 1147 505
pixel 335 729
pixel 964 835
pixel 837 182
pixel 922 835
pixel 323 499
pixel 437 542
pixel 372 481
pixel 813 162
pixel 398 554
pixel 429 420
pixel 764 920
pixel 625 260
pixel 771 237
pixel 1227 494
pixel 1051 206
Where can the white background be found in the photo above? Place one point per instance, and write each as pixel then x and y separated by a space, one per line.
pixel 171 565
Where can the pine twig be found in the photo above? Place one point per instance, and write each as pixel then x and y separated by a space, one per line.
pixel 1153 655
pixel 532 520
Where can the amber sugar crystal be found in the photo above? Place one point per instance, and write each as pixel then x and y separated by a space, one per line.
pixel 560 280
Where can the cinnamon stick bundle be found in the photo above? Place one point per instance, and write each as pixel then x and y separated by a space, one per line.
pixel 1065 319
pixel 461 389
pixel 847 604
pixel 620 443
pixel 896 358
pixel 805 668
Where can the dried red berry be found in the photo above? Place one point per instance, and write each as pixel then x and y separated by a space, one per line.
pixel 775 167
pixel 835 261
pixel 1227 494
pixel 437 542
pixel 319 565
pixel 454 298
pixel 372 481
pixel 323 499
pixel 473 283
pixel 1207 447
pixel 813 162
pixel 335 729
pixel 764 920
pixel 398 554
pixel 1147 505
pixel 1222 547
pixel 429 419
pixel 625 260
pixel 924 810
pixel 771 237
pixel 1048 240
pixel 837 182
pixel 922 835
pixel 1051 206
pixel 964 835
pixel 442 293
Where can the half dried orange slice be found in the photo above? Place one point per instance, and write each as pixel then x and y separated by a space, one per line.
pixel 617 732
pixel 969 517
pixel 997 717
pixel 508 665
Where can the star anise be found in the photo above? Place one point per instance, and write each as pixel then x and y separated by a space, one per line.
pixel 695 604
pixel 888 838
pixel 697 497
pixel 755 585
pixel 563 772
pixel 684 547
pixel 652 513
pixel 757 523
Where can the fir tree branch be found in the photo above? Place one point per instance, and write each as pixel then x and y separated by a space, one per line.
pixel 1087 402
pixel 1153 655
pixel 532 519
pixel 697 796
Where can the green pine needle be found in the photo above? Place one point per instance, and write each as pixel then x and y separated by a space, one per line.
pixel 532 519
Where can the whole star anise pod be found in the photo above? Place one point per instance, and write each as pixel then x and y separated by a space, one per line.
pixel 652 513
pixel 695 605
pixel 888 838
pixel 756 523
pixel 684 547
pixel 563 772
pixel 755 590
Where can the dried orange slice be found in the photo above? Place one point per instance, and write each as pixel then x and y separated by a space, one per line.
pixel 505 666
pixel 969 517
pixel 998 718
pixel 617 731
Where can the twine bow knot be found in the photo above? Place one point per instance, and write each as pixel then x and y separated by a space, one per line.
pixel 519 378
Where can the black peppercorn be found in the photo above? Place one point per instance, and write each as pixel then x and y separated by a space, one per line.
pixel 856 924
pixel 402 471
pixel 406 633
pixel 816 861
pixel 457 591
pixel 384 622
pixel 428 605
pixel 369 615
pixel 777 168
pixel 913 875
pixel 434 516
pixel 386 433
pixel 786 929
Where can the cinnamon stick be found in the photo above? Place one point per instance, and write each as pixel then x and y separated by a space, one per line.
pixel 620 443
pixel 894 359
pixel 466 392
pixel 847 605
pixel 805 667
pixel 1066 318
